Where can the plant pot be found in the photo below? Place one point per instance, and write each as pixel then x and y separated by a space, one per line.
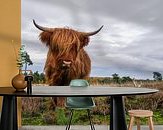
pixel 19 83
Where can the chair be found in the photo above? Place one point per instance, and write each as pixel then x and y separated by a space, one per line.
pixel 79 103
pixel 139 114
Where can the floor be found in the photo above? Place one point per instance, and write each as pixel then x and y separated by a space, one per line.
pixel 80 127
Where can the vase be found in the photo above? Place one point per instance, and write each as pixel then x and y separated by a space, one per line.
pixel 18 82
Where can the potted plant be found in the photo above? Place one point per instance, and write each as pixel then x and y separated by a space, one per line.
pixel 23 59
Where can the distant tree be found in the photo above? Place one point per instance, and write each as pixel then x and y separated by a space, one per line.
pixel 116 78
pixel 38 77
pixel 157 76
pixel 42 78
pixel 126 79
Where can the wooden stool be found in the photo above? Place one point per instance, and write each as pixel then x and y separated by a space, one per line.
pixel 138 114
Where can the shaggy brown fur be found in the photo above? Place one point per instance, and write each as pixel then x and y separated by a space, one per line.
pixel 65 45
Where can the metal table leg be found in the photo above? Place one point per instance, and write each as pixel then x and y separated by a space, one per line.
pixel 9 113
pixel 117 115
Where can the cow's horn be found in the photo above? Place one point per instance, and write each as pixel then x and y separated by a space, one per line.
pixel 42 28
pixel 95 32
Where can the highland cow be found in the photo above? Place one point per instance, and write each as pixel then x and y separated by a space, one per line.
pixel 66 58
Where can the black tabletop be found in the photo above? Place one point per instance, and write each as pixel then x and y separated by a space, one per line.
pixel 66 91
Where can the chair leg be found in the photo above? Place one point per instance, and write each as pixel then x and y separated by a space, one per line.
pixel 91 123
pixel 151 123
pixel 70 119
pixel 131 123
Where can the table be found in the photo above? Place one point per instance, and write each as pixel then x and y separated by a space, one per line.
pixel 117 112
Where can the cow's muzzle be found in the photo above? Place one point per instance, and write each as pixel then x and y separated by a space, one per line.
pixel 66 64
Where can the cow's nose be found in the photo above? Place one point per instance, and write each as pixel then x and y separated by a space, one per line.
pixel 66 63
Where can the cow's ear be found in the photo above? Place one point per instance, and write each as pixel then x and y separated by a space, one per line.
pixel 45 37
pixel 84 41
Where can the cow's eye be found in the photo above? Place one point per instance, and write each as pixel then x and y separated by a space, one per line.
pixel 84 41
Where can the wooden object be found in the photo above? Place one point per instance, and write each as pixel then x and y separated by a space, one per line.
pixel 140 114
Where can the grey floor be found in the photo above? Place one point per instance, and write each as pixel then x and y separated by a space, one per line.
pixel 80 127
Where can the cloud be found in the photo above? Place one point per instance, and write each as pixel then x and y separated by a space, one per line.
pixel 129 44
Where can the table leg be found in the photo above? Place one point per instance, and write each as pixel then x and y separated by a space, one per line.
pixel 9 113
pixel 117 114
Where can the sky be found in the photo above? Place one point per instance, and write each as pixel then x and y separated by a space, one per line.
pixel 130 43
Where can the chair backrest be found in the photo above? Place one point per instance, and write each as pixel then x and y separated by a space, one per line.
pixel 79 83
pixel 79 102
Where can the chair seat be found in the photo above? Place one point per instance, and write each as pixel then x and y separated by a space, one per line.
pixel 80 103
pixel 140 113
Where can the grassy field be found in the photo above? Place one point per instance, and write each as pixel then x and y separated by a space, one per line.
pixel 40 111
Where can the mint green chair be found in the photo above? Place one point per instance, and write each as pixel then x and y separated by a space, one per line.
pixel 79 103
